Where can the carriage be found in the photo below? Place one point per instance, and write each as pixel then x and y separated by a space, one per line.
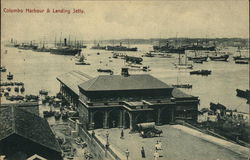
pixel 148 130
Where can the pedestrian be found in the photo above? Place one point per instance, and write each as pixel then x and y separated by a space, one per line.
pixel 143 153
pixel 156 145
pixel 156 155
pixel 159 145
pixel 122 134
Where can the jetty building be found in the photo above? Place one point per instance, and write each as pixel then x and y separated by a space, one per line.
pixel 108 101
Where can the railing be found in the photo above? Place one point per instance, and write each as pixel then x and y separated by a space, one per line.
pixel 92 137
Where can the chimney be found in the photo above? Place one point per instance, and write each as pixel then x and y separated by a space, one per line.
pixel 65 42
pixel 125 72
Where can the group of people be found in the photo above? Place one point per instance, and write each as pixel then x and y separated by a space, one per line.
pixel 158 147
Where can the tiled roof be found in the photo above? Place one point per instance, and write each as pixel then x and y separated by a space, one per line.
pixel 72 79
pixel 119 82
pixel 14 120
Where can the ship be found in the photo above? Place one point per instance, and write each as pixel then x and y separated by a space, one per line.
pixel 201 72
pixel 99 47
pixel 200 47
pixel 183 65
pixel 42 49
pixel 65 50
pixel 121 48
pixel 240 57
pixel 30 46
pixel 196 57
pixel 12 44
pixel 240 61
pixel 133 59
pixel 219 57
pixel 169 49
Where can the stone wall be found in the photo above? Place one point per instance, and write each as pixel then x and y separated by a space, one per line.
pixel 99 151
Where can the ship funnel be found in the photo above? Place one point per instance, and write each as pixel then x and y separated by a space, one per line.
pixel 125 72
pixel 65 41
pixel 120 43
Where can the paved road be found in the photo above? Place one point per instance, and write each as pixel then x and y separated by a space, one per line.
pixel 176 144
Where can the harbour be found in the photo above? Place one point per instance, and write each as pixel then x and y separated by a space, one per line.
pixel 223 77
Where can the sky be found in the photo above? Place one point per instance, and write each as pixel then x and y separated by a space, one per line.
pixel 126 19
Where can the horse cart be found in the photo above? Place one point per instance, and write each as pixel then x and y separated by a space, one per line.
pixel 148 130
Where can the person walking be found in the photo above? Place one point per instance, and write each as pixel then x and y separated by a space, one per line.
pixel 122 134
pixel 143 153
pixel 156 155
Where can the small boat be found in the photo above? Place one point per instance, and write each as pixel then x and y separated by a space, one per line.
pixel 240 61
pixel 132 59
pixel 188 86
pixel 243 94
pixel 22 89
pixel 165 55
pixel 3 69
pixel 16 89
pixel 184 66
pixel 115 55
pixel 148 54
pixel 198 61
pixel 10 76
pixel 146 68
pixel 80 60
pixel 201 58
pixel 43 92
pixel 6 94
pixel 105 70
pixel 8 89
pixel 219 58
pixel 201 72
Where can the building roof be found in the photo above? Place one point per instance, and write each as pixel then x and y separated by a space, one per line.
pixel 119 82
pixel 177 93
pixel 14 120
pixel 72 79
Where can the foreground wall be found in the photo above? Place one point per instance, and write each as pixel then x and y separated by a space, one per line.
pixel 98 150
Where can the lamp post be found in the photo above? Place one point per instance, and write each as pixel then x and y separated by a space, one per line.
pixel 127 153
pixel 107 136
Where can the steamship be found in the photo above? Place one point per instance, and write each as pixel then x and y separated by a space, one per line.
pixel 121 48
pixel 65 50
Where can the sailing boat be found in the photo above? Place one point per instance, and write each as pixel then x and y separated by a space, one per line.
pixel 80 59
pixel 187 86
pixel 240 57
pixel 197 58
pixel 185 65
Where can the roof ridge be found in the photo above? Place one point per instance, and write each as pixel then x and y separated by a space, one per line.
pixel 94 80
pixel 13 119
pixel 31 139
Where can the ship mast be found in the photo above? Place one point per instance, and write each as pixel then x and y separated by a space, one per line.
pixel 60 39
